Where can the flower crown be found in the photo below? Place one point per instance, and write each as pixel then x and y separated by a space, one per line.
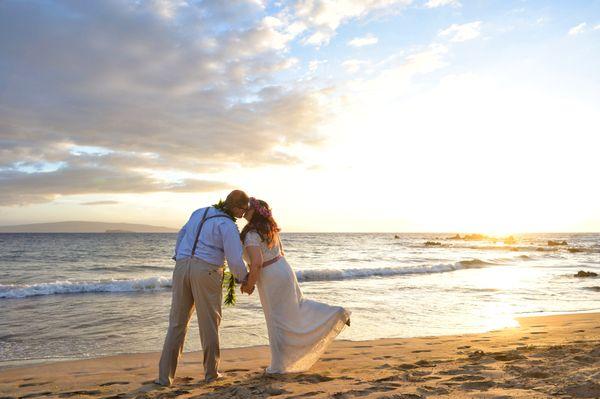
pixel 263 210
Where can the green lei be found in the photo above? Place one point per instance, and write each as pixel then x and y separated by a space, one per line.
pixel 221 206
pixel 228 279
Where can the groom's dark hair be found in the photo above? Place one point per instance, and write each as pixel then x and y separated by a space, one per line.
pixel 237 198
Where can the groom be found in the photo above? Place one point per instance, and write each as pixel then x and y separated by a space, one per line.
pixel 203 243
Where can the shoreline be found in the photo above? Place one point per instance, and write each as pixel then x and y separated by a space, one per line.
pixel 19 363
pixel 544 355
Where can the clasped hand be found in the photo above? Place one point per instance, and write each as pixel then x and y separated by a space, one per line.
pixel 247 289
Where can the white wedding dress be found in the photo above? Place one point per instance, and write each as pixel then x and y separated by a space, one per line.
pixel 299 329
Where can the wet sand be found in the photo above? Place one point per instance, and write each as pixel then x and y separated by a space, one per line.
pixel 548 356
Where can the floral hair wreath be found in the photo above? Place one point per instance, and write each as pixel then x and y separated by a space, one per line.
pixel 264 211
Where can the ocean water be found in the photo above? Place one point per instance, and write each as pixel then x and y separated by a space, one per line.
pixel 87 295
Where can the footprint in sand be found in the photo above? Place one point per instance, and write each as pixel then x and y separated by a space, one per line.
pixel 79 393
pixel 33 384
pixel 406 366
pixel 110 383
pixel 180 380
pixel 117 396
pixel 539 332
pixel 588 389
pixel 425 363
pixel 467 377
pixel 421 351
pixel 478 385
pixel 452 372
pixel 36 394
pixel 306 395
pixel 429 390
pixel 361 392
pixel 464 347
pixel 311 378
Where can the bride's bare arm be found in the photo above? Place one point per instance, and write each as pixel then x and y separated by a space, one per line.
pixel 256 261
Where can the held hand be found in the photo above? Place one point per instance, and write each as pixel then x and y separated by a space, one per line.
pixel 247 289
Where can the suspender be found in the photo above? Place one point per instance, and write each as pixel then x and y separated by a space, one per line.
pixel 200 225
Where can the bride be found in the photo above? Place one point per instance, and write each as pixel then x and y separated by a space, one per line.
pixel 299 329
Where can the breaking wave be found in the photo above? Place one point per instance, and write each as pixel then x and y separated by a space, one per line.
pixel 158 283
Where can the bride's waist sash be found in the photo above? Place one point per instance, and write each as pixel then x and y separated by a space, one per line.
pixel 271 261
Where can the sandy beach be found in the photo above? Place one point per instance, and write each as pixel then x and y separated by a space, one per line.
pixel 547 356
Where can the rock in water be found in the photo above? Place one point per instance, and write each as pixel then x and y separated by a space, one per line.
pixel 552 243
pixel 583 273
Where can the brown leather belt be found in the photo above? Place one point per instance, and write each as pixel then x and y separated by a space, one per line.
pixel 271 261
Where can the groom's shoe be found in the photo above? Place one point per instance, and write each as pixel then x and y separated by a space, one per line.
pixel 213 378
pixel 159 382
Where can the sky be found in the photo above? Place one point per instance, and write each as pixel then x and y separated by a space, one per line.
pixel 350 115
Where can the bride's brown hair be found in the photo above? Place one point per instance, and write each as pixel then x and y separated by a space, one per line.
pixel 265 226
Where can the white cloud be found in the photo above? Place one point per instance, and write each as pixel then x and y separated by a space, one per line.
pixel 192 83
pixel 597 27
pixel 323 17
pixel 441 3
pixel 577 29
pixel 353 66
pixel 464 32
pixel 367 40
pixel 393 76
pixel 318 38
pixel 313 65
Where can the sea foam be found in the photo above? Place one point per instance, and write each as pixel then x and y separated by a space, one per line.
pixel 158 283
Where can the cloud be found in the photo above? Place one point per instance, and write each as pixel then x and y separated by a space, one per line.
pixel 313 65
pixel 20 188
pixel 353 66
pixel 392 77
pixel 462 33
pixel 597 27
pixel 161 85
pixel 93 203
pixel 577 29
pixel 367 40
pixel 441 3
pixel 323 17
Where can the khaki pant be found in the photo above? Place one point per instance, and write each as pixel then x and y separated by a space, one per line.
pixel 195 283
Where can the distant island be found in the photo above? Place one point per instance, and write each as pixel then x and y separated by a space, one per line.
pixel 85 227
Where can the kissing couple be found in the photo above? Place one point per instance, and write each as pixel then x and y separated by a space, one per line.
pixel 299 329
